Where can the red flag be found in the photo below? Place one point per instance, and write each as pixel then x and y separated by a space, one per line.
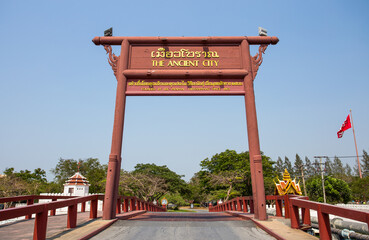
pixel 346 125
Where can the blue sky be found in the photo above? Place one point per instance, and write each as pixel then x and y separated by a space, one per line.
pixel 58 90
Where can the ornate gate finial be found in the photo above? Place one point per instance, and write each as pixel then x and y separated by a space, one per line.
pixel 258 59
pixel 113 59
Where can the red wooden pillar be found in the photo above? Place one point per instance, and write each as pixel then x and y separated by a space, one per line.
pixel 133 204
pixel 93 208
pixel 53 211
pixel 244 202
pixel 29 202
pixel 256 167
pixel 251 203
pixel 40 226
pixel 305 213
pixel 295 217
pixel 83 207
pixel 278 207
pixel 324 225
pixel 239 204
pixel 125 204
pixel 72 216
pixel 112 179
pixel 119 203
pixel 287 207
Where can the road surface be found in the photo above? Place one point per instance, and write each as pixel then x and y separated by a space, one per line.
pixel 183 226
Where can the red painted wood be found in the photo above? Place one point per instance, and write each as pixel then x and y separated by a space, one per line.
pixel 125 204
pixel 83 207
pixel 40 226
pixel 93 208
pixel 184 40
pixel 305 213
pixel 72 216
pixel 324 225
pixel 53 211
pixel 29 202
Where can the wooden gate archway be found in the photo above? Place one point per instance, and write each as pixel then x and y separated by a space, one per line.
pixel 185 66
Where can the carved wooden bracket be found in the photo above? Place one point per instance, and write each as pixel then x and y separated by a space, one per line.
pixel 258 59
pixel 113 59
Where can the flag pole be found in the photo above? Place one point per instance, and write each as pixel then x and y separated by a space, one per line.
pixel 357 154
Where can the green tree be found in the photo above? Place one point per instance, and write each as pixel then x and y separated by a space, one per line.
pixel 337 190
pixel 298 166
pixel 288 166
pixel 175 198
pixel 279 167
pixel 143 185
pixel 328 166
pixel 348 171
pixel 89 168
pixel 310 170
pixel 365 164
pixel 337 168
pixel 231 161
pixel 199 187
pixel 12 185
pixel 360 188
pixel 317 167
pixel 173 180
pixel 35 182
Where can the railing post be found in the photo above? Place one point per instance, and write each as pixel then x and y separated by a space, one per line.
pixel 239 204
pixel 125 204
pixel 324 225
pixel 118 206
pixel 93 207
pixel 39 232
pixel 278 207
pixel 29 202
pixel 295 218
pixel 286 206
pixel 133 204
pixel 244 203
pixel 83 207
pixel 305 214
pixel 251 206
pixel 53 211
pixel 72 216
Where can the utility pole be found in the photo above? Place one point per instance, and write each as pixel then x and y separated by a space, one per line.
pixel 321 171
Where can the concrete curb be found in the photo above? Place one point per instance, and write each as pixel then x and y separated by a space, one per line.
pixel 122 216
pixel 250 217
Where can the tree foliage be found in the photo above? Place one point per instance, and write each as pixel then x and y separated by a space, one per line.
pixel 143 185
pixel 337 190
pixel 174 181
pixel 288 166
pixel 89 168
pixel 227 175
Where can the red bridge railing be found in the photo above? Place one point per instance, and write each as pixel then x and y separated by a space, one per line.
pixel 291 205
pixel 41 210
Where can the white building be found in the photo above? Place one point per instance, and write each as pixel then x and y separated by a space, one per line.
pixel 76 185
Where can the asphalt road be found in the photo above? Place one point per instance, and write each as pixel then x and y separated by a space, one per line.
pixel 183 226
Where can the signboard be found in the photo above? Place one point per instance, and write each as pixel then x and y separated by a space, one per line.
pixel 180 57
pixel 184 86
pixel 185 69
pixel 164 201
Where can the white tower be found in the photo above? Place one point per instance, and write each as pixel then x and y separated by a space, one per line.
pixel 77 185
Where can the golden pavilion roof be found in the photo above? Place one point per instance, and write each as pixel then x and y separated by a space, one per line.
pixel 287 185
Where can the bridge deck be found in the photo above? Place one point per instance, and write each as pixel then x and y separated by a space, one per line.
pixel 166 225
pixel 163 225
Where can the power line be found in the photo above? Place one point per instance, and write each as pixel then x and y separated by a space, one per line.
pixel 343 156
